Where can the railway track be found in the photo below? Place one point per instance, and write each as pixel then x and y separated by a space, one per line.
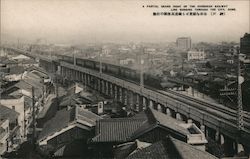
pixel 230 116
pixel 226 113
pixel 218 107
pixel 215 106
pixel 217 110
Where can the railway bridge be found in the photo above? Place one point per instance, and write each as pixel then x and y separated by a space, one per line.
pixel 217 121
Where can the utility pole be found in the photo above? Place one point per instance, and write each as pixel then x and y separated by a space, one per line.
pixel 33 115
pixel 182 68
pixel 240 107
pixel 100 61
pixel 56 91
pixel 1 77
pixel 141 69
pixel 74 56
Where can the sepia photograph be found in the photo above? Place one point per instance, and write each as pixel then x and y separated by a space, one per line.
pixel 124 79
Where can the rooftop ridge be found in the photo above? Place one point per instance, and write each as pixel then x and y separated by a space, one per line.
pixel 175 141
pixel 151 116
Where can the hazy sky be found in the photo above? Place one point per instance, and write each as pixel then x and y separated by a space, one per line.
pixel 75 21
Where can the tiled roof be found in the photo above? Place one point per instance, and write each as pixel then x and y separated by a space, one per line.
pixel 157 150
pixel 155 119
pixel 27 85
pixel 167 121
pixel 7 113
pixel 116 130
pixel 123 150
pixel 126 129
pixel 78 98
pixel 9 91
pixel 187 151
pixel 58 122
pixel 65 117
pixel 171 148
pixel 8 84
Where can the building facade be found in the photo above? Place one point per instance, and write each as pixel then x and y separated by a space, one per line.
pixel 245 45
pixel 196 55
pixel 184 43
pixel 4 135
pixel 21 105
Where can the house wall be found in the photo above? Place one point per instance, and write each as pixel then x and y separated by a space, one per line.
pixel 69 136
pixel 196 55
pixel 18 105
pixel 4 136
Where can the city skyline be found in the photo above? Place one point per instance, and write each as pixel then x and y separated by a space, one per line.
pixel 123 21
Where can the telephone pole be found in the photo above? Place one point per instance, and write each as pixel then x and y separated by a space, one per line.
pixel 141 69
pixel 33 115
pixel 239 97
pixel 100 61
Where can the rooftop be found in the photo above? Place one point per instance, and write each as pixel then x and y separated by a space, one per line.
pixel 38 69
pixel 5 60
pixel 78 98
pixel 130 128
pixel 167 121
pixel 7 113
pixel 17 70
pixel 28 84
pixel 116 130
pixel 66 117
pixel 170 148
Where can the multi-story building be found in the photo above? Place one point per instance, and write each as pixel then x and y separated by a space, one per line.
pixel 22 105
pixel 9 129
pixel 196 55
pixel 4 135
pixel 245 45
pixel 184 43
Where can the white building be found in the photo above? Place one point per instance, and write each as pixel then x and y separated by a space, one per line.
pixel 22 106
pixel 184 43
pixel 127 61
pixel 196 55
pixel 10 137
